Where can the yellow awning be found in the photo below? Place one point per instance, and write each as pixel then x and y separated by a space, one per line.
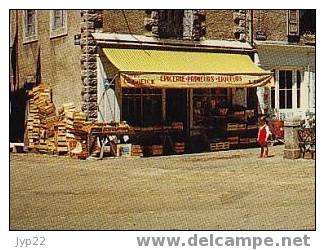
pixel 183 69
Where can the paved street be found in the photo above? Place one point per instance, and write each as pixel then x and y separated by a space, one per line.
pixel 219 190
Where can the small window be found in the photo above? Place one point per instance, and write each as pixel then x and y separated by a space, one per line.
pixel 58 23
pixel 30 26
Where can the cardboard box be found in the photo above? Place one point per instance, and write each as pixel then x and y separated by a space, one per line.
pixel 122 150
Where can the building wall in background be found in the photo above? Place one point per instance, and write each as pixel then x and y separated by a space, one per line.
pixel 58 57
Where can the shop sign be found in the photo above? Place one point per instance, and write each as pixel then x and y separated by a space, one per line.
pixel 195 81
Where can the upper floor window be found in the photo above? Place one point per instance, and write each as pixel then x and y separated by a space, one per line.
pixel 171 23
pixel 307 21
pixel 308 26
pixel 58 23
pixel 293 25
pixel 30 25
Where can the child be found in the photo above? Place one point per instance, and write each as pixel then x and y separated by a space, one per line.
pixel 263 134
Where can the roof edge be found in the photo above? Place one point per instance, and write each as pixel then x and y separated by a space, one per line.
pixel 141 40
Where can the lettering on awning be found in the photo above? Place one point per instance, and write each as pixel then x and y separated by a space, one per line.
pixel 195 81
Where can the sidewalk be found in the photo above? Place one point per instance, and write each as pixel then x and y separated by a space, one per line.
pixel 218 191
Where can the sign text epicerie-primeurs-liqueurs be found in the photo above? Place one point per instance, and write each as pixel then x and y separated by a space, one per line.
pixel 161 80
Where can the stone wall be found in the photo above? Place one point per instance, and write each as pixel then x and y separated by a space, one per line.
pixel 114 21
pixel 211 24
pixel 219 24
pixel 273 22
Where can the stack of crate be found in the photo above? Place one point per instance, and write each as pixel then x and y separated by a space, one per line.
pixel 79 119
pixel 65 131
pixel 76 141
pixel 61 138
pixel 40 109
pixel 49 133
pixel 33 126
pixel 51 146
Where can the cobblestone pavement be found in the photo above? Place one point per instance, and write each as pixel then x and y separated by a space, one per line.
pixel 218 191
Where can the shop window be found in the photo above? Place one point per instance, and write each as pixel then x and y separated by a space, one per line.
pixel 58 23
pixel 171 23
pixel 30 26
pixel 208 103
pixel 142 107
pixel 298 88
pixel 285 89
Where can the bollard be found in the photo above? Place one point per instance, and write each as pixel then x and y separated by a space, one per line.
pixel 291 145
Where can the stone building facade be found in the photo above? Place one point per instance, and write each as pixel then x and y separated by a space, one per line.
pixel 57 47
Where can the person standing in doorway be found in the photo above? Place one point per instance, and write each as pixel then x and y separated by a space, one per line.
pixel 263 134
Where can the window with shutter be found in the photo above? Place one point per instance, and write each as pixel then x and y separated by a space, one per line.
pixel 293 23
pixel 171 23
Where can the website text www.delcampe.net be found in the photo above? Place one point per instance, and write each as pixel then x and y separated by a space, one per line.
pixel 212 240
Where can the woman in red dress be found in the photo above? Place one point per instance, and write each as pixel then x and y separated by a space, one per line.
pixel 263 134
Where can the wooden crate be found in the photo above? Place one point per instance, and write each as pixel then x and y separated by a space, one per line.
pixel 156 150
pixel 231 126
pixel 136 150
pixel 239 113
pixel 217 146
pixel 252 140
pixel 177 125
pixel 241 126
pixel 244 140
pixel 251 126
pixel 179 147
pixel 235 126
pixel 233 140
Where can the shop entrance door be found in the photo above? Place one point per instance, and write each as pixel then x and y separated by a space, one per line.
pixel 252 101
pixel 177 107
